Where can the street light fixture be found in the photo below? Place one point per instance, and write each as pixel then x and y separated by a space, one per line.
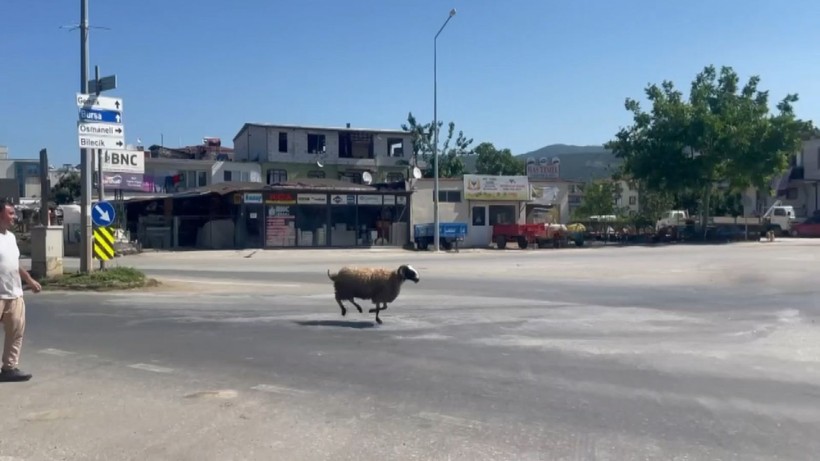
pixel 435 140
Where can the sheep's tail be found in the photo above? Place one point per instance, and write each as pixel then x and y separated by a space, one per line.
pixel 330 276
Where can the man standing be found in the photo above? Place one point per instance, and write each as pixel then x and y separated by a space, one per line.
pixel 13 313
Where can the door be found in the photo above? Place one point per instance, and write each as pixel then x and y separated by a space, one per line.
pixel 480 233
pixel 253 229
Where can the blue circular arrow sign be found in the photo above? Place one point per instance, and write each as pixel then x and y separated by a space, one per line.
pixel 103 214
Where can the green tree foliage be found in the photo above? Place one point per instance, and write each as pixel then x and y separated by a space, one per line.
pixel 723 134
pixel 67 189
pixel 600 198
pixel 491 161
pixel 451 152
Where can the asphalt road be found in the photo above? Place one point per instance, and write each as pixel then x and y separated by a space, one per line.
pixel 689 353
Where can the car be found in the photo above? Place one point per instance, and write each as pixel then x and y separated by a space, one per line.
pixel 808 228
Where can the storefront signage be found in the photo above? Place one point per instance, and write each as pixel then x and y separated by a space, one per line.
pixel 281 198
pixel 311 199
pixel 389 199
pixel 500 188
pixel 369 199
pixel 543 172
pixel 253 198
pixel 343 199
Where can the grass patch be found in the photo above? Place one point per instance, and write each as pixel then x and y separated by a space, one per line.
pixel 115 278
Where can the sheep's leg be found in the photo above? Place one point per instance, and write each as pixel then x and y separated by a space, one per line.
pixel 377 308
pixel 357 306
pixel 378 320
pixel 344 311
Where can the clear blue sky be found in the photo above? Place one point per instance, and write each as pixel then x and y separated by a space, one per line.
pixel 521 74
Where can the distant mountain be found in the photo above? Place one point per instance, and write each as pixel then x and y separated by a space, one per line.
pixel 564 149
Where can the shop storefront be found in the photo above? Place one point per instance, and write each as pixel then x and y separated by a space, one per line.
pixel 312 219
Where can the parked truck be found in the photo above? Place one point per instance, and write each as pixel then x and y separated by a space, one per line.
pixel 449 234
pixel 778 218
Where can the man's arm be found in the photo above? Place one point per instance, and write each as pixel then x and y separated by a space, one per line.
pixel 29 280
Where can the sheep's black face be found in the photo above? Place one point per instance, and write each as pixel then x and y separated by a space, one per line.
pixel 409 273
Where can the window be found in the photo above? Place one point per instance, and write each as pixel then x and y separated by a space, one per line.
pixel 316 174
pixel 502 214
pixel 395 147
pixel 355 144
pixel 202 179
pixel 316 143
pixel 479 216
pixel 633 200
pixel 193 179
pixel 226 175
pixel 283 142
pixel 395 177
pixel 450 196
pixel 277 176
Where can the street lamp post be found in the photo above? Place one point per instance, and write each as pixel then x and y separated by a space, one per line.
pixel 435 135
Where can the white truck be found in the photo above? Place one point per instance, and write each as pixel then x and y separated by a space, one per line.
pixel 778 218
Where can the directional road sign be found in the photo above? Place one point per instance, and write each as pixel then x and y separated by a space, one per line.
pixel 103 243
pixel 100 115
pixel 90 101
pixel 105 130
pixel 97 142
pixel 103 214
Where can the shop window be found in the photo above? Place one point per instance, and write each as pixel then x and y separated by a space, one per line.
pixel 502 214
pixel 343 220
pixel 311 224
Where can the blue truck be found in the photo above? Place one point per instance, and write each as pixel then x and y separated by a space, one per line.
pixel 450 234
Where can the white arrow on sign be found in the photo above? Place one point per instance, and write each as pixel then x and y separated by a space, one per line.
pixel 90 101
pixel 103 213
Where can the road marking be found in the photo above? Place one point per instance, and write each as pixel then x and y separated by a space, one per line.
pixel 248 284
pixel 278 389
pixel 57 352
pixel 149 367
pixel 220 394
pixel 452 420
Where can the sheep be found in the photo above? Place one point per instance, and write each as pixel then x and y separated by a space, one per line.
pixel 380 285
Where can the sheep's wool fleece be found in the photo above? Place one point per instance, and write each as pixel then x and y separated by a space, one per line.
pixel 377 284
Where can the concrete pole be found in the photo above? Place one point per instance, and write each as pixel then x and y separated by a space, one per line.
pixel 85 161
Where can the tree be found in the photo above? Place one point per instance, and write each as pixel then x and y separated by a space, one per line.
pixel 492 161
pixel 723 134
pixel 67 189
pixel 600 198
pixel 450 163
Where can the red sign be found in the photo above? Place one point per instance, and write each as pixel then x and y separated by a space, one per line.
pixel 284 198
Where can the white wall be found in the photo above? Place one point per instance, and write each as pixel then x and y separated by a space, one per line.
pixel 240 172
pixel 811 156
pixel 422 211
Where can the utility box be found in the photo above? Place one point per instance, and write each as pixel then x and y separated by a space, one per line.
pixel 46 251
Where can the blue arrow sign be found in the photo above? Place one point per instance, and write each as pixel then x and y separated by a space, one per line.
pixel 103 214
pixel 99 115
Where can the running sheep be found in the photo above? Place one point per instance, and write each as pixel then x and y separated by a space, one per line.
pixel 379 285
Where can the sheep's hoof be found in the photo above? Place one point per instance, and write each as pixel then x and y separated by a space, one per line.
pixel 344 313
pixel 378 320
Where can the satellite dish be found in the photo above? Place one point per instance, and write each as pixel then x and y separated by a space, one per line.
pixel 416 172
pixel 319 163
pixel 320 159
pixel 367 178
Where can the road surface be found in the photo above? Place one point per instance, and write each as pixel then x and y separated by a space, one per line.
pixel 696 353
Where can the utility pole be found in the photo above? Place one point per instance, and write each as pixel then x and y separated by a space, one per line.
pixel 85 154
pixel 100 186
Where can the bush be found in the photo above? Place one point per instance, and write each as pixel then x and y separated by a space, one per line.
pixel 116 278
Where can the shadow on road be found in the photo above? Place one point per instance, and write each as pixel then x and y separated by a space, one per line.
pixel 336 323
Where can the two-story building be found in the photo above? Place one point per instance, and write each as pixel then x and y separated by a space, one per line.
pixel 798 187
pixel 358 155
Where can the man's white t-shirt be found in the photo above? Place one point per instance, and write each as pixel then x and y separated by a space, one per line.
pixel 11 286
